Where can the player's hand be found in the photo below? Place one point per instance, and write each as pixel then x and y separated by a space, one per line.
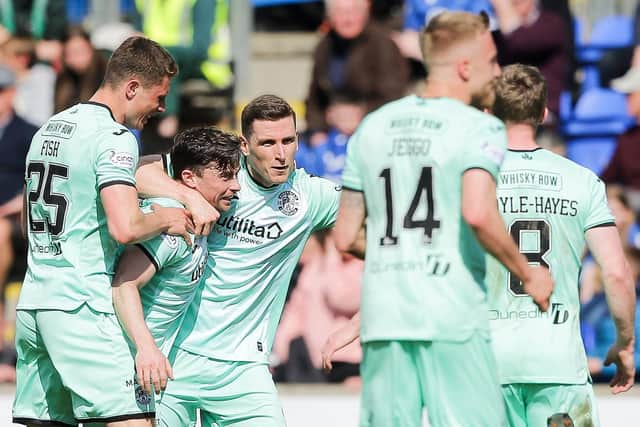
pixel 328 349
pixel 203 214
pixel 179 220
pixel 539 287
pixel 152 367
pixel 624 360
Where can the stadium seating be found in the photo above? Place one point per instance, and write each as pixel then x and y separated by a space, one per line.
pixel 598 112
pixel 609 32
pixel 591 129
pixel 591 152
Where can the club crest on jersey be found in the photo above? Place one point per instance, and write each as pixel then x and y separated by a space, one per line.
pixel 122 159
pixel 142 398
pixel 288 202
pixel 171 241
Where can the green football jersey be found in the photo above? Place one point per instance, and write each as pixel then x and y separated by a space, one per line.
pixel 253 250
pixel 179 269
pixel 547 202
pixel 424 268
pixel 71 255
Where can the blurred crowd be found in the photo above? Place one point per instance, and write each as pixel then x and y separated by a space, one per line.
pixel 368 54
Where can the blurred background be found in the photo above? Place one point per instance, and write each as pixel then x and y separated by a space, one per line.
pixel 334 61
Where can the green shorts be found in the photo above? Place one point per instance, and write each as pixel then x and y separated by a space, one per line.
pixel 238 394
pixel 75 366
pixel 544 404
pixel 456 382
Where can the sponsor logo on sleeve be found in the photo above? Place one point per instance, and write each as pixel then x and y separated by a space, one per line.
pixel 492 152
pixel 288 202
pixel 122 159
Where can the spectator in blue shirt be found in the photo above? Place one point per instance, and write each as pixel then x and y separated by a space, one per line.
pixel 418 12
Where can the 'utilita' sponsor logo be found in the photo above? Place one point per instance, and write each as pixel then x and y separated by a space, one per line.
pixel 248 226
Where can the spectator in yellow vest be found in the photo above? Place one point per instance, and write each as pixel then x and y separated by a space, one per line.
pixel 196 34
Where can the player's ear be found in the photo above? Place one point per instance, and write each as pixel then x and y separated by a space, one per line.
pixel 463 67
pixel 545 115
pixel 244 145
pixel 131 88
pixel 188 177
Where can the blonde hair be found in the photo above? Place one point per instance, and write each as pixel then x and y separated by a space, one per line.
pixel 448 29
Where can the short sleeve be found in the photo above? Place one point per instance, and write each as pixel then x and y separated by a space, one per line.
pixel 486 148
pixel 117 159
pixel 353 172
pixel 599 213
pixel 163 250
pixel 325 199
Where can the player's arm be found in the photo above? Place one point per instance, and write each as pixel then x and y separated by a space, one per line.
pixel 135 269
pixel 340 339
pixel 349 234
pixel 127 224
pixel 604 243
pixel 152 181
pixel 479 210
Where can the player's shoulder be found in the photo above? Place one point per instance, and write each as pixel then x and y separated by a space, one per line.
pixel 568 166
pixel 300 178
pixel 97 119
pixel 480 119
pixel 379 115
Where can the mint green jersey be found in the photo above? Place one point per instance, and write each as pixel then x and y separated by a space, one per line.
pixel 71 255
pixel 424 268
pixel 548 203
pixel 179 269
pixel 253 250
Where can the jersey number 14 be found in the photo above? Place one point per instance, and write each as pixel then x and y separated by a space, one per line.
pixel 428 223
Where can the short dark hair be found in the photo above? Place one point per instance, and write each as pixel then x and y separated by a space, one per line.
pixel 196 147
pixel 265 107
pixel 521 95
pixel 141 58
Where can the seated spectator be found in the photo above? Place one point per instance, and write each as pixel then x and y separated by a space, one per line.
pixel 326 296
pixel 355 57
pixel 36 80
pixel 326 159
pixel 15 137
pixel 533 36
pixel 82 72
pixel 623 168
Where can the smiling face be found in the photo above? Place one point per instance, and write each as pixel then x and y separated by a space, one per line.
pixel 270 150
pixel 144 102
pixel 217 187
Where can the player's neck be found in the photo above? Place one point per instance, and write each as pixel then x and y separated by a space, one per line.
pixel 110 99
pixel 441 88
pixel 521 137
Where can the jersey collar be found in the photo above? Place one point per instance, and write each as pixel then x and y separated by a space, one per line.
pixel 99 104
